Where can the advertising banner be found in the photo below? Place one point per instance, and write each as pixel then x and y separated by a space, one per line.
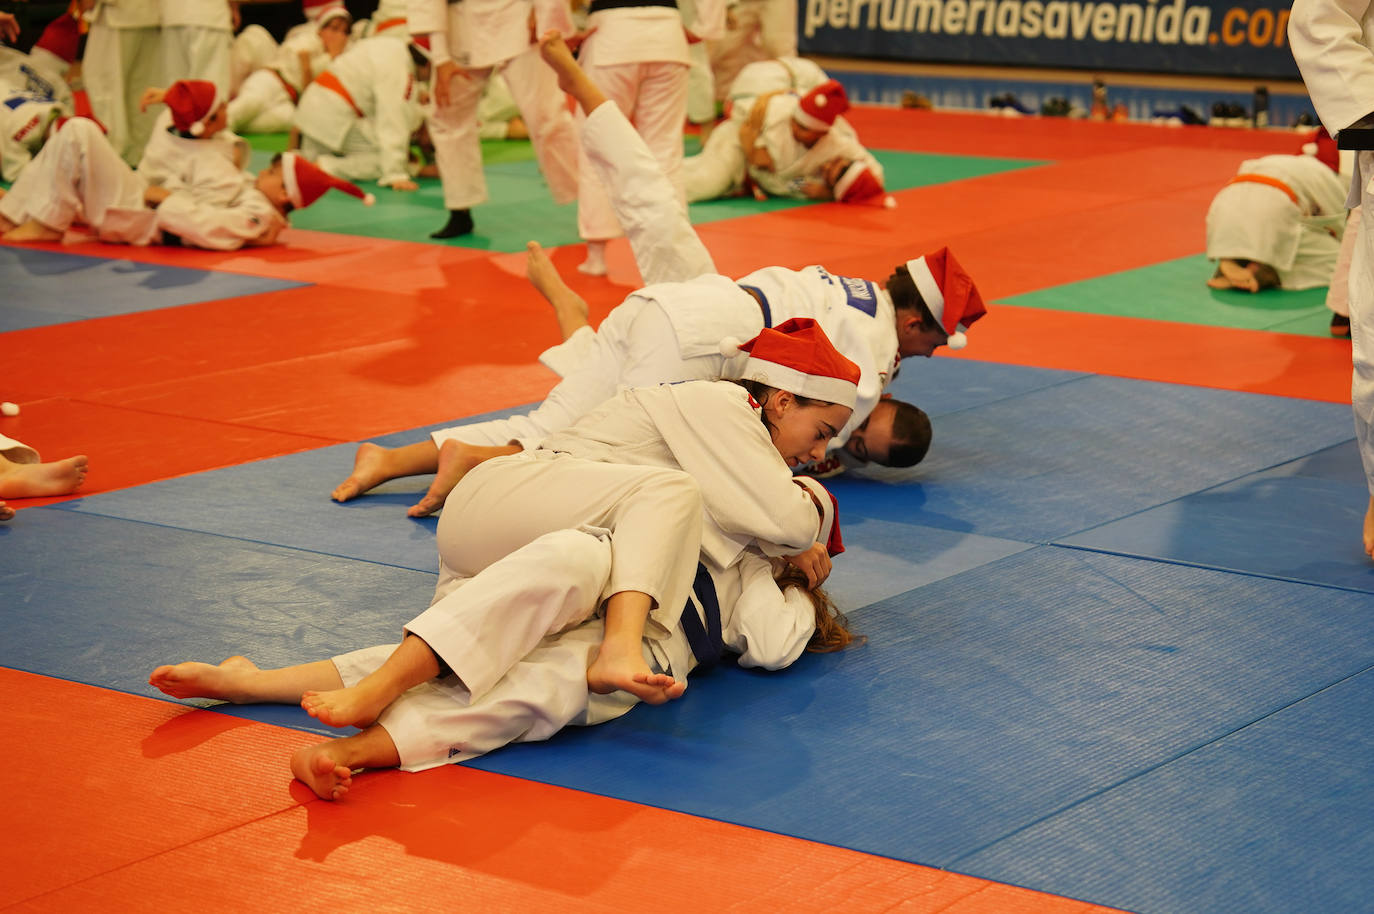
pixel 1197 37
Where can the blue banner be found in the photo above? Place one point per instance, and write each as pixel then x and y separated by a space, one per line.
pixel 1197 37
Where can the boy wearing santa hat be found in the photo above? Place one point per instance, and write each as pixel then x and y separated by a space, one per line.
pixel 78 176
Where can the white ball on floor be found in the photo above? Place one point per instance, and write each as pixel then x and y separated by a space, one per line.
pixel 9 409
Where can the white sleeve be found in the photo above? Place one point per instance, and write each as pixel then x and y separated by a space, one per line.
pixel 768 627
pixel 1327 37
pixel 211 226
pixel 426 17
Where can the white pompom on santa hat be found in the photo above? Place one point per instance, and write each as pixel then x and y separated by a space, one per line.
pixel 949 293
pixel 830 514
pixel 858 184
pixel 192 102
pixel 306 182
pixel 818 108
pixel 798 357
pixel 1323 146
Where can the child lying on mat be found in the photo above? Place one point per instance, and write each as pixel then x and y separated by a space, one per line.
pixel 603 514
pixel 78 176
pixel 24 475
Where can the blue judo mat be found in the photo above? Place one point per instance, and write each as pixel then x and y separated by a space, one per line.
pixel 57 288
pixel 1013 703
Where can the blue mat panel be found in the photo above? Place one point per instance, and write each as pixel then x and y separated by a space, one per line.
pixel 1272 818
pixel 46 287
pixel 178 595
pixel 941 386
pixel 981 704
pixel 1055 461
pixel 1298 522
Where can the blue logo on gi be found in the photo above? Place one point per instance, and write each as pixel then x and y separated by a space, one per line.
pixel 860 294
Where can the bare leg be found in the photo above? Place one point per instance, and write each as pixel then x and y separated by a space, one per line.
pixel 456 458
pixel 619 662
pixel 412 663
pixel 34 480
pixel 1369 528
pixel 572 79
pixel 374 465
pixel 327 767
pixel 569 307
pixel 31 231
pixel 240 681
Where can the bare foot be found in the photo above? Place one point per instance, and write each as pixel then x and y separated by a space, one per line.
pixel 595 264
pixel 1369 529
pixel 317 768
pixel 354 706
pixel 369 471
pixel 568 307
pixel 30 231
pixel 1231 275
pixel 456 458
pixel 33 480
pixel 631 674
pixel 6 512
pixel 228 681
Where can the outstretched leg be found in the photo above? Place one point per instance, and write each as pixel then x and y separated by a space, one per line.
pixel 569 307
pixel 374 465
pixel 359 705
pixel 31 231
pixel 456 458
pixel 327 767
pixel 240 681
pixel 619 662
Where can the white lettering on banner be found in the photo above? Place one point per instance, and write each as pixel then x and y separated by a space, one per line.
pixel 1161 22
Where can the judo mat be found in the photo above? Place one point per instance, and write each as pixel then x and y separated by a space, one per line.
pixel 1117 641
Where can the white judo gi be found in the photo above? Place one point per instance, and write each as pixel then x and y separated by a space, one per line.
pixel 123 57
pixel 362 133
pixel 32 96
pixel 637 56
pixel 522 561
pixel 212 165
pixel 1291 218
pixel 78 176
pixel 485 37
pixel 17 451
pixel 197 36
pixel 671 330
pixel 1332 43
pixel 266 102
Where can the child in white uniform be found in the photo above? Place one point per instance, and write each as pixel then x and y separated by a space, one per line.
pixel 659 468
pixel 34 93
pixel 266 103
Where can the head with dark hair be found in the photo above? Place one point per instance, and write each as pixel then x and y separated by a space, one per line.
pixel 1244 275
pixel 271 182
pixel 895 434
pixel 918 332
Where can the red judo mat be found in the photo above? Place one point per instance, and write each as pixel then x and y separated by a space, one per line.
pixel 395 335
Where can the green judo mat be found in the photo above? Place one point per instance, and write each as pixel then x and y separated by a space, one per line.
pixel 519 207
pixel 1176 290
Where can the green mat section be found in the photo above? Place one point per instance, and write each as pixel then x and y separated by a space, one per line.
pixel 519 207
pixel 1176 290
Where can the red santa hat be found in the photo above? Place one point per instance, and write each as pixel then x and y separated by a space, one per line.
pixel 315 9
pixel 830 514
pixel 332 12
pixel 858 184
pixel 949 293
pixel 422 44
pixel 62 38
pixel 1323 145
pixel 306 182
pixel 818 108
pixel 797 356
pixel 193 102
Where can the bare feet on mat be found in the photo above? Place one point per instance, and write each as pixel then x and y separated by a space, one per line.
pixel 609 673
pixel 355 706
pixel 369 471
pixel 455 460
pixel 31 231
pixel 35 480
pixel 317 768
pixel 227 681
pixel 1369 529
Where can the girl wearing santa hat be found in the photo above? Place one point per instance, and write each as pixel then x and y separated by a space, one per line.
pixel 619 511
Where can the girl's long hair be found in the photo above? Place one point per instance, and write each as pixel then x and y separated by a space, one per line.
pixel 832 628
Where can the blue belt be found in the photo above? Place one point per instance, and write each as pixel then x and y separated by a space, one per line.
pixel 763 303
pixel 705 640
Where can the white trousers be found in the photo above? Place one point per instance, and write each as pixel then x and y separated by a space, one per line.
pixel 360 158
pixel 719 169
pixel 118 65
pixel 1362 323
pixel 516 560
pixel 78 175
pixel 262 105
pixel 1338 293
pixel 197 52
pixel 455 131
pixel 653 97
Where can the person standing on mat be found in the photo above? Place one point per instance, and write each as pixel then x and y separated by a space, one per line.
pixel 469 43
pixel 656 489
pixel 1333 44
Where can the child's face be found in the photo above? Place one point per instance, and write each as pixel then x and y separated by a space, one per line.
pixel 217 122
pixel 801 433
pixel 872 441
pixel 805 135
pixel 334 34
pixel 273 186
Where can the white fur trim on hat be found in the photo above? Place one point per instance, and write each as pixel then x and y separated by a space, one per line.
pixel 928 287
pixel 784 377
